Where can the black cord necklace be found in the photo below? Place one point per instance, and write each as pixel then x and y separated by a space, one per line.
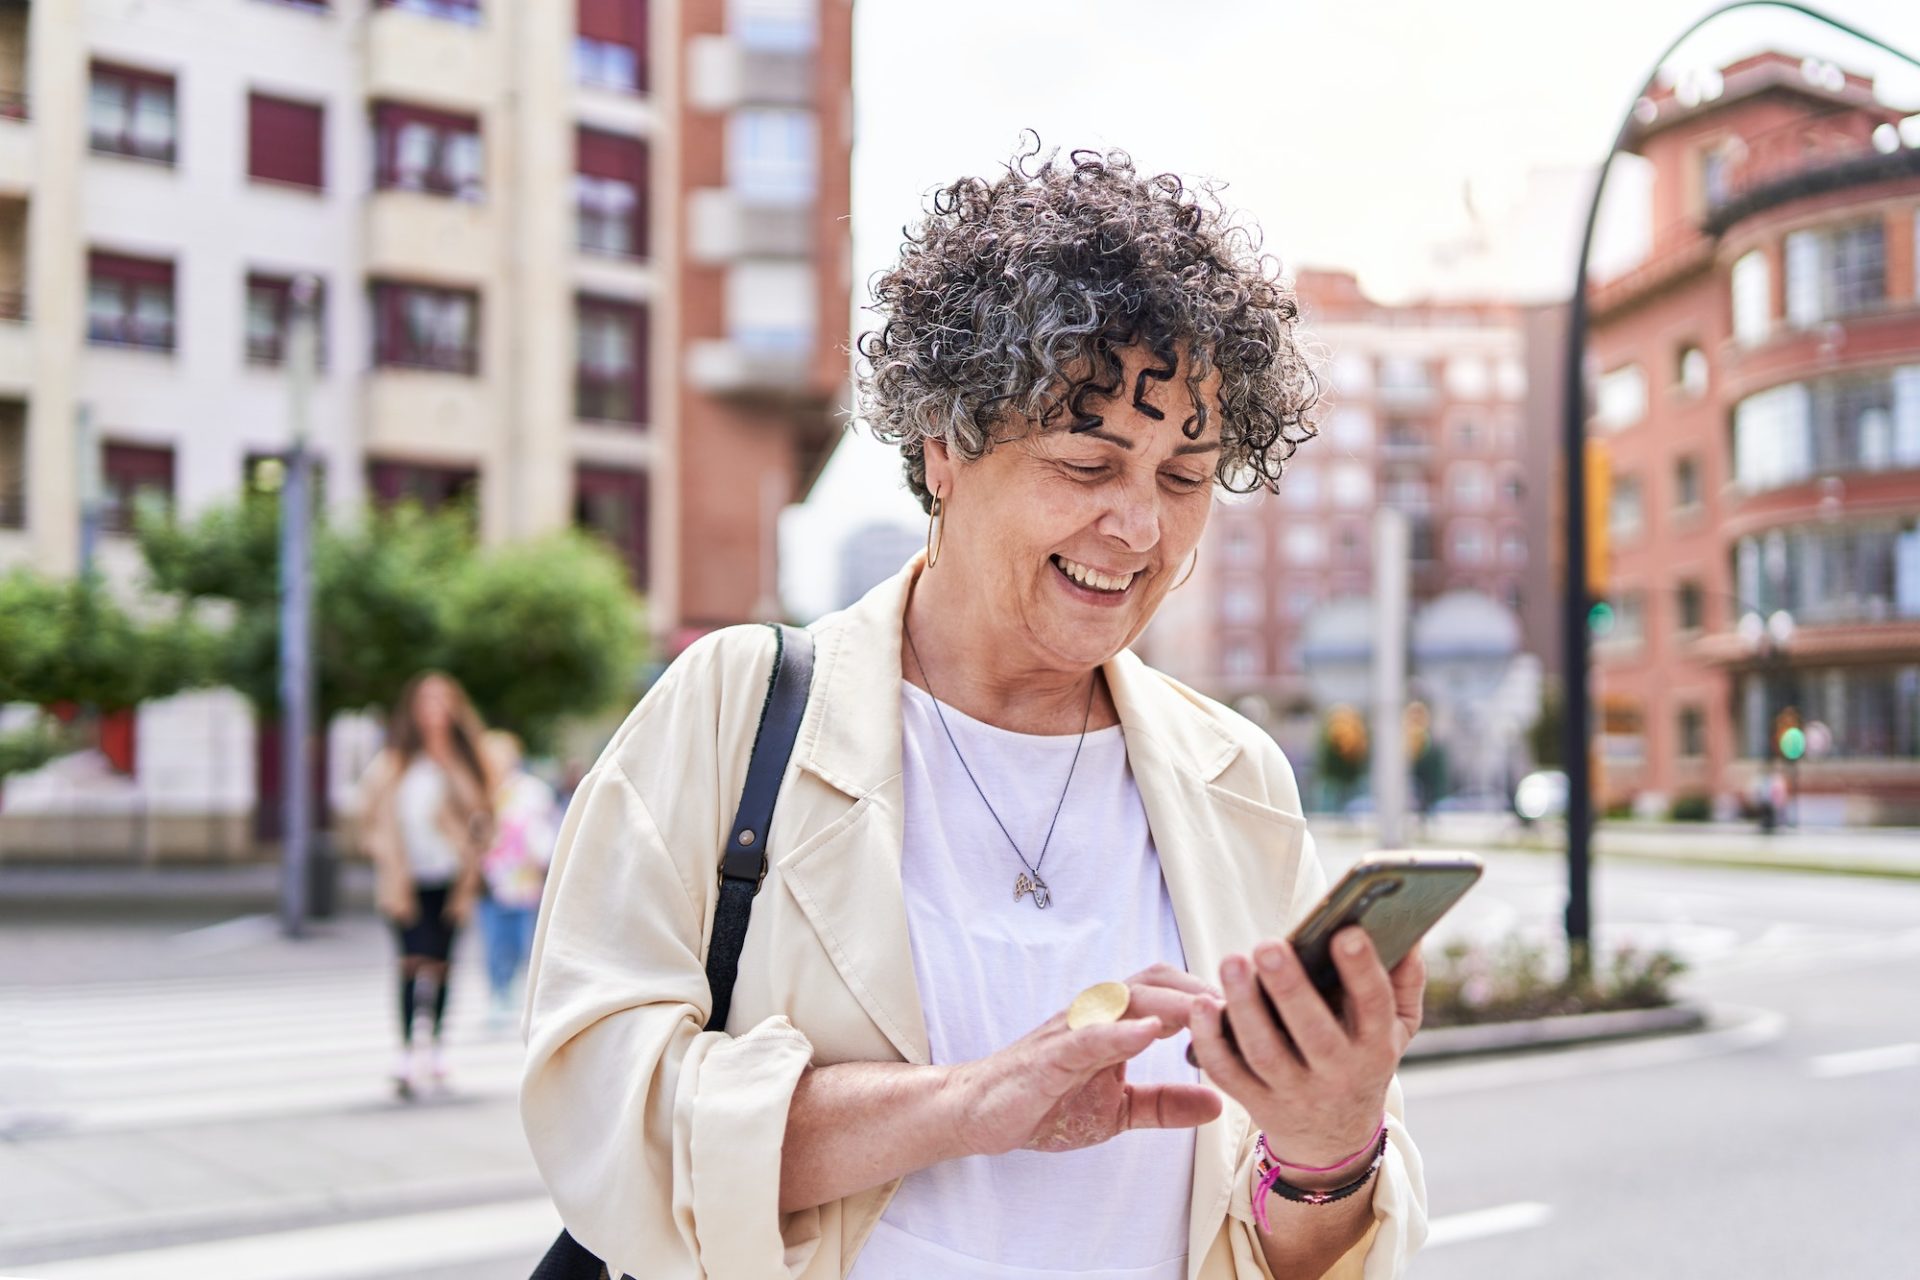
pixel 1029 880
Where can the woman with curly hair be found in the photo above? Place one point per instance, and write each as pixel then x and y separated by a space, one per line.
pixel 992 805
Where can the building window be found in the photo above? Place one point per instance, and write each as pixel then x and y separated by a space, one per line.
pixel 1409 493
pixel 130 301
pixel 1513 547
pixel 1871 712
pixel 1352 485
pixel 1620 400
pixel 1693 733
pixel 1304 544
pixel 1514 597
pixel 1469 543
pixel 1240 605
pixel 1468 378
pixel 610 47
pixel 417 326
pixel 1353 372
pixel 1513 488
pixel 1855 572
pixel 432 487
pixel 1752 284
pixel 1405 438
pixel 13 464
pixel 610 194
pixel 1300 486
pixel 1470 485
pixel 1351 427
pixel 1690 603
pixel 1408 376
pixel 1242 660
pixel 1624 511
pixel 1353 547
pixel 784 26
pixel 1690 370
pixel 610 383
pixel 417 149
pixel 467 11
pixel 1241 545
pixel 1686 483
pixel 1835 272
pixel 1466 436
pixel 1420 540
pixel 773 153
pixel 284 141
pixel 131 112
pixel 134 478
pixel 270 318
pixel 1794 432
pixel 770 307
pixel 612 503
pixel 1299 602
pixel 1629 619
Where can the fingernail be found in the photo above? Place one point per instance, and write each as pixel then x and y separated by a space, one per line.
pixel 1352 944
pixel 1270 959
pixel 1235 969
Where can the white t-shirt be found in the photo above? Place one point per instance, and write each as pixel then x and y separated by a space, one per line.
pixel 431 857
pixel 991 969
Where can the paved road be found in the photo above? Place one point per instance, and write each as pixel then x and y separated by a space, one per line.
pixel 186 1095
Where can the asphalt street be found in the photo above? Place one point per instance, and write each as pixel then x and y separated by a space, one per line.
pixel 183 1093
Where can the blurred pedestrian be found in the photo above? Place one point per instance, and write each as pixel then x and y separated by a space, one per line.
pixel 526 822
pixel 426 817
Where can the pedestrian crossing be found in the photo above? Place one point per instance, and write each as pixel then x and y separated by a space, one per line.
pixel 128 1054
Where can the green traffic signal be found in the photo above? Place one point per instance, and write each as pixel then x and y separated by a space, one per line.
pixel 1600 618
pixel 1793 743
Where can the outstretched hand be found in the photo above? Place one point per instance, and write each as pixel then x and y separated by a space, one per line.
pixel 1059 1088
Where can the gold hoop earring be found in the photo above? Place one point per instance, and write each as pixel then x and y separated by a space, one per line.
pixel 936 519
pixel 1189 573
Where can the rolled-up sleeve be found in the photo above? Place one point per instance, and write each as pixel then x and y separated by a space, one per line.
pixel 659 1142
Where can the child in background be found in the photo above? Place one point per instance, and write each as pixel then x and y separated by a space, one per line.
pixel 526 823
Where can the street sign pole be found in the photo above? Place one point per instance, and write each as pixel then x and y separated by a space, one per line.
pixel 296 620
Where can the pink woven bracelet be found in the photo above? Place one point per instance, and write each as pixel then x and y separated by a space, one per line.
pixel 1271 1158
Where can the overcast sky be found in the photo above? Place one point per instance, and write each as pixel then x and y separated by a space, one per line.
pixel 1348 130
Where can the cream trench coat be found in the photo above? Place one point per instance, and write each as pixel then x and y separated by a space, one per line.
pixel 661 1142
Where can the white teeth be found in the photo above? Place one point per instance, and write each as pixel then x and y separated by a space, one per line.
pixel 1081 574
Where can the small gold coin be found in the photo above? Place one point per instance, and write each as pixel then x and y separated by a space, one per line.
pixel 1101 1002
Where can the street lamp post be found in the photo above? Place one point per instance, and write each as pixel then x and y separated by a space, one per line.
pixel 296 621
pixel 1575 656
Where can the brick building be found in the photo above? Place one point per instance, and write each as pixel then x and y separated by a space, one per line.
pixel 1758 399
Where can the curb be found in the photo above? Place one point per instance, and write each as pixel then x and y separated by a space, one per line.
pixel 1882 870
pixel 1562 1031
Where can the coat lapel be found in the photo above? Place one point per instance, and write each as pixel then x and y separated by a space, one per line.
pixel 846 877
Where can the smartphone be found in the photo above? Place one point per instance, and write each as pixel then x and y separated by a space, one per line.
pixel 1396 898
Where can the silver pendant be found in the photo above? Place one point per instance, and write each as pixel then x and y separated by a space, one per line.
pixel 1034 885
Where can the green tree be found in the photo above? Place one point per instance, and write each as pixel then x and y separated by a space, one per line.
pixel 540 631
pixel 72 642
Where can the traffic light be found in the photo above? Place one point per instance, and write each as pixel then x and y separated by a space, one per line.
pixel 1788 736
pixel 1600 620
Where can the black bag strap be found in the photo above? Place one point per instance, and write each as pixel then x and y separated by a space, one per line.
pixel 743 865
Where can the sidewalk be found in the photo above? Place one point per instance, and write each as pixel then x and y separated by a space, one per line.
pixel 1871 851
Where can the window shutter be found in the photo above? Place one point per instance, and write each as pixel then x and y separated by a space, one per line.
pixel 614 21
pixel 284 141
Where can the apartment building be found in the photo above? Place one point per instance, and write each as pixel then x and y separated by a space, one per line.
pixel 1425 410
pixel 579 263
pixel 1759 402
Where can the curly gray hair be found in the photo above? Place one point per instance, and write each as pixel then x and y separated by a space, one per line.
pixel 1014 298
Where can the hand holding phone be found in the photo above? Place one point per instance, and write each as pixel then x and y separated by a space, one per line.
pixel 1396 898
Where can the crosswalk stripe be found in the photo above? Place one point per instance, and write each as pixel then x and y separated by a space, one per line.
pixel 1858 1062
pixel 378 1247
pixel 247 1045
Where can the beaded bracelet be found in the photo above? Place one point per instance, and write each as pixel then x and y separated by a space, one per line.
pixel 1267 1178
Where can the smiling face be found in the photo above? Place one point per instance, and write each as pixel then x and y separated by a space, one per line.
pixel 1064 542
